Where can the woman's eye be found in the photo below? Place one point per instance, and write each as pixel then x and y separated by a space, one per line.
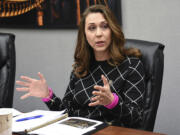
pixel 91 28
pixel 104 26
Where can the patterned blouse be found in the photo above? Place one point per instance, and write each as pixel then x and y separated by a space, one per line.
pixel 127 81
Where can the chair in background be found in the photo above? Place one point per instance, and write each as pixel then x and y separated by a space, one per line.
pixel 153 61
pixel 7 69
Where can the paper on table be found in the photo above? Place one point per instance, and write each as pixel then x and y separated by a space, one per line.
pixel 68 126
pixel 16 112
pixel 27 124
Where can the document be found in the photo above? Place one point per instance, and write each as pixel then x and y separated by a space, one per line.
pixel 34 119
pixel 15 112
pixel 43 122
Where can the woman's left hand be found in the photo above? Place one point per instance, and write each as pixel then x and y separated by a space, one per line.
pixel 104 95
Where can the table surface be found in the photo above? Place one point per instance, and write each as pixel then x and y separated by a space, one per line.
pixel 114 130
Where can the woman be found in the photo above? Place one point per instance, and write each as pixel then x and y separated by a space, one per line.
pixel 107 81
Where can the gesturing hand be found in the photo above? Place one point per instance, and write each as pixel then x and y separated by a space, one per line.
pixel 33 87
pixel 103 96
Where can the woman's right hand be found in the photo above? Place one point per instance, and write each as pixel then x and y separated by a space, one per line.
pixel 33 87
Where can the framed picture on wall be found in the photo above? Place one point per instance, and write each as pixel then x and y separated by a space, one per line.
pixel 61 14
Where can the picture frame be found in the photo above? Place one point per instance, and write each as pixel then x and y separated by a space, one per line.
pixel 49 14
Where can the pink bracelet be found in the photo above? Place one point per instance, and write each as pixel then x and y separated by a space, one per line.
pixel 114 102
pixel 49 97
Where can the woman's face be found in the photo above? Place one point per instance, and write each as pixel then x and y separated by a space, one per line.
pixel 98 35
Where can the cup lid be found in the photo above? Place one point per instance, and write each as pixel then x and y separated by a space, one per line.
pixel 4 111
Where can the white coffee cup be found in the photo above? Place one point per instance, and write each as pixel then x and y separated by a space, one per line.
pixel 5 121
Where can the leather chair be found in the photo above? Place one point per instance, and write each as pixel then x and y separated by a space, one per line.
pixel 153 60
pixel 7 69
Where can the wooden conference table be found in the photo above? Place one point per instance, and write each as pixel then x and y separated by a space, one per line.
pixel 114 130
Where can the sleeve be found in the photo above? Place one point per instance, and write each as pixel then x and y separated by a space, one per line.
pixel 56 104
pixel 129 109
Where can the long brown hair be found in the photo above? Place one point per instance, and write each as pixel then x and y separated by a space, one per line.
pixel 84 53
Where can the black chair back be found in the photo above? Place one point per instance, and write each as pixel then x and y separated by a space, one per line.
pixel 7 69
pixel 153 60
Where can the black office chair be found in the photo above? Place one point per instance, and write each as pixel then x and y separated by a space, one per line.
pixel 7 69
pixel 153 60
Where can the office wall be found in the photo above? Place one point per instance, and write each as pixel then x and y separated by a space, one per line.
pixel 47 51
pixel 51 52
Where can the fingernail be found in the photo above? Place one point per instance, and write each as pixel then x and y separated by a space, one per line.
pixel 110 82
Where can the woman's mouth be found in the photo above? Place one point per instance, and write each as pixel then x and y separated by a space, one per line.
pixel 100 43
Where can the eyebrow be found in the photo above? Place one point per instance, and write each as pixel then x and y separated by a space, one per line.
pixel 95 23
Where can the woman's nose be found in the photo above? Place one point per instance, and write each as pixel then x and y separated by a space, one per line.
pixel 98 32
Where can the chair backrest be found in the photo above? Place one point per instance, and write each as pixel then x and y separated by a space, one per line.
pixel 153 61
pixel 7 69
